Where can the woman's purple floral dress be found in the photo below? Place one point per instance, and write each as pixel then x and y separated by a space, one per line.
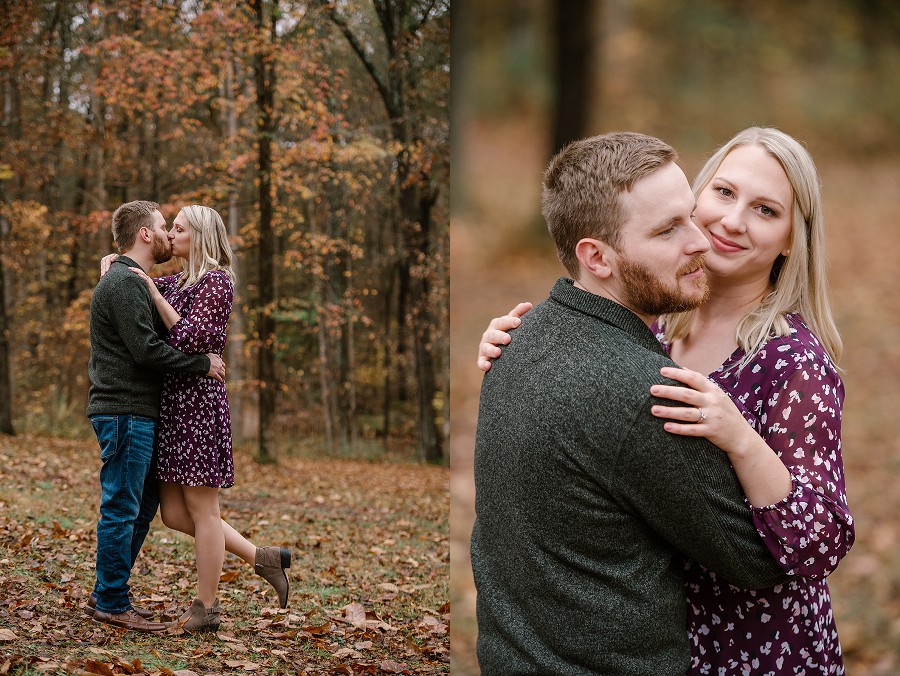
pixel 194 421
pixel 792 395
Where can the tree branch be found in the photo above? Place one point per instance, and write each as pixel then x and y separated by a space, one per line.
pixel 357 47
pixel 426 15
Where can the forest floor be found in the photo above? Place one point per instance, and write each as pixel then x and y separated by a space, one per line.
pixel 369 577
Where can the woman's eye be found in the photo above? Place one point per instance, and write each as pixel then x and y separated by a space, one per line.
pixel 767 211
pixel 726 192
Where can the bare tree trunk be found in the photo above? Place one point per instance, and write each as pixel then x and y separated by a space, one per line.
pixel 402 323
pixel 327 394
pixel 349 359
pixel 573 36
pixel 416 214
pixel 264 72
pixel 388 355
pixel 325 375
pixel 97 197
pixel 6 426
pixel 238 394
pixel 12 121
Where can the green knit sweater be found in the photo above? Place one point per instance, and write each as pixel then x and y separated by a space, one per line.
pixel 128 357
pixel 587 508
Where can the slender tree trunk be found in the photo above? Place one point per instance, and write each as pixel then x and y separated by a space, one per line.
pixel 349 357
pixel 415 211
pixel 389 349
pixel 12 122
pixel 6 426
pixel 574 26
pixel 402 323
pixel 327 393
pixel 238 394
pixel 264 73
pixel 96 119
pixel 325 373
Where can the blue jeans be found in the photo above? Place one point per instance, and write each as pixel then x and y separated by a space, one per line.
pixel 129 498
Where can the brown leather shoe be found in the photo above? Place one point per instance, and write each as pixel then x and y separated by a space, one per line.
pixel 270 564
pixel 92 605
pixel 130 620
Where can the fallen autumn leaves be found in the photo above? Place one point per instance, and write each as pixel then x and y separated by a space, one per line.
pixel 369 576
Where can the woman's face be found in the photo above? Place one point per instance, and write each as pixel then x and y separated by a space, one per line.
pixel 745 213
pixel 180 236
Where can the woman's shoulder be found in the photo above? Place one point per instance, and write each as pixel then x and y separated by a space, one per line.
pixel 214 278
pixel 799 347
pixel 167 280
pixel 799 336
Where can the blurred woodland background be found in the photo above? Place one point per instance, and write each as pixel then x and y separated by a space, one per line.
pixel 530 74
pixel 319 130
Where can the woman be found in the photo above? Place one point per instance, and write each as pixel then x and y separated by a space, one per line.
pixel 194 438
pixel 762 349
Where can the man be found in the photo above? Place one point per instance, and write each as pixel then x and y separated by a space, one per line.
pixel 586 507
pixel 128 360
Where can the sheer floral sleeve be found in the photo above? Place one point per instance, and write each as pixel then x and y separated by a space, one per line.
pixel 801 397
pixel 202 328
pixel 165 283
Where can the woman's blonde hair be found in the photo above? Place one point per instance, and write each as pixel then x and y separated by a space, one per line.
pixel 798 280
pixel 210 249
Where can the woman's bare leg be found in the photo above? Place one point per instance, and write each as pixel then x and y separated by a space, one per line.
pixel 209 539
pixel 175 515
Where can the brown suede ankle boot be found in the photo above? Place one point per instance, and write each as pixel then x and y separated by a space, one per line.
pixel 270 565
pixel 200 618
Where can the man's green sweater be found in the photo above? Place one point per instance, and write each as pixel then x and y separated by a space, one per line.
pixel 128 357
pixel 587 508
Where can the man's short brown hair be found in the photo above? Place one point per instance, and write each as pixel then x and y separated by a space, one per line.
pixel 128 219
pixel 583 182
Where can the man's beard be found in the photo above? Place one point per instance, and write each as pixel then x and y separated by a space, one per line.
pixel 649 294
pixel 161 249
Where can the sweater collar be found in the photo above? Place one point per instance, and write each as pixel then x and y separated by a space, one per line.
pixel 566 293
pixel 125 260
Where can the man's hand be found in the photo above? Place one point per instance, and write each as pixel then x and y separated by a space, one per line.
pixel 216 367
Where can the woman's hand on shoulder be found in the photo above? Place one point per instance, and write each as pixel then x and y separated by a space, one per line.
pixel 709 412
pixel 106 261
pixel 147 280
pixel 497 335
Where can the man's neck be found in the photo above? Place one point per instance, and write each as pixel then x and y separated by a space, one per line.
pixel 142 258
pixel 603 291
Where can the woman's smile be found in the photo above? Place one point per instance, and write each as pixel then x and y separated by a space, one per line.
pixel 724 245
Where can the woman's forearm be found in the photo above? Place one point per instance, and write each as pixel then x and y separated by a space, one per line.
pixel 166 311
pixel 763 476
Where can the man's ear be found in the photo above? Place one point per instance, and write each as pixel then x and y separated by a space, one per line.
pixel 145 234
pixel 595 256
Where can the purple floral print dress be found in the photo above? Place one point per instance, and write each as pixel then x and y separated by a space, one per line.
pixel 791 393
pixel 194 438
